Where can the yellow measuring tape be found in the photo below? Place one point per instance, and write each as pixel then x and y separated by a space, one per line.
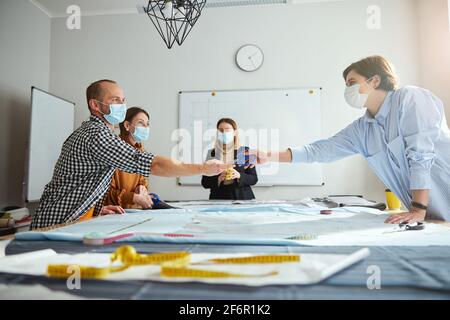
pixel 173 265
pixel 173 272
pixel 128 255
pixel 258 259
pixel 304 236
pixel 66 270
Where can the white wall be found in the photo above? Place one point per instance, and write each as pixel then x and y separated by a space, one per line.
pixel 304 45
pixel 24 62
pixel 435 48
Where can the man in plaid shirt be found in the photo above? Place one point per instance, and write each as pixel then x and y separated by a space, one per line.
pixel 92 153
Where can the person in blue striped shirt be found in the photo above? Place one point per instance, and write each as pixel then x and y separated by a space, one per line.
pixel 404 136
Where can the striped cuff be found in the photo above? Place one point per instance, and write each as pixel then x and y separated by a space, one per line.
pixel 299 155
pixel 420 180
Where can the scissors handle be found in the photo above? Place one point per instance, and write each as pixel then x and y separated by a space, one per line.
pixel 243 160
pixel 156 199
pixel 412 227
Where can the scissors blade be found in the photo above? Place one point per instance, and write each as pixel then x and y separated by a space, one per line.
pixel 398 229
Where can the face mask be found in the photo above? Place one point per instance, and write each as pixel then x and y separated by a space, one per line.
pixel 225 137
pixel 117 113
pixel 354 98
pixel 141 134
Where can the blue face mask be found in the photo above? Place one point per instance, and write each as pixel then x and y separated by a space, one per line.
pixel 141 134
pixel 225 137
pixel 117 113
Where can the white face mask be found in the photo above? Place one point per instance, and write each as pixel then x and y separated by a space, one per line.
pixel 354 98
pixel 141 134
pixel 225 137
pixel 117 113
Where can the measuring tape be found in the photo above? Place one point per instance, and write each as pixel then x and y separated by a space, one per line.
pixel 129 256
pixel 173 265
pixel 304 236
pixel 173 272
pixel 229 174
pixel 66 270
pixel 125 254
pixel 258 259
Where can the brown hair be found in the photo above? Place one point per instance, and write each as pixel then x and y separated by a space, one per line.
pixel 131 113
pixel 375 66
pixel 94 91
pixel 235 128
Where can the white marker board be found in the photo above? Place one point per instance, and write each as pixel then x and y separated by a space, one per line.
pixel 51 123
pixel 281 118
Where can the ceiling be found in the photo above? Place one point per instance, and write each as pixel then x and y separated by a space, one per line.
pixel 57 8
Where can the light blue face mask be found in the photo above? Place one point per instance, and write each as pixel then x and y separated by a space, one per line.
pixel 225 137
pixel 141 134
pixel 117 113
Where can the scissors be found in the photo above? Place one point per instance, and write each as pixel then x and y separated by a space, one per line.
pixel 155 198
pixel 327 202
pixel 405 226
pixel 243 159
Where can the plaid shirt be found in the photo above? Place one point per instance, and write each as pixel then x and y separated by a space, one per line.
pixel 83 173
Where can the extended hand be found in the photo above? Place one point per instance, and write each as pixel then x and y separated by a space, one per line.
pixel 213 167
pixel 111 210
pixel 260 156
pixel 144 200
pixel 412 216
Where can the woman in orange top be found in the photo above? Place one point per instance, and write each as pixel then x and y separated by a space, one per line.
pixel 129 190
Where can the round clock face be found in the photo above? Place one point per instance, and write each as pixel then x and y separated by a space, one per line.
pixel 249 58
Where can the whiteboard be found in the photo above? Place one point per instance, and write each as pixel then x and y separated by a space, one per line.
pixel 52 121
pixel 279 119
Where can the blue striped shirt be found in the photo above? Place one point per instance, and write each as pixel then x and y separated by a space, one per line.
pixel 407 145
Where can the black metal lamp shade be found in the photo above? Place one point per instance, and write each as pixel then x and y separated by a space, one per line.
pixel 174 19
